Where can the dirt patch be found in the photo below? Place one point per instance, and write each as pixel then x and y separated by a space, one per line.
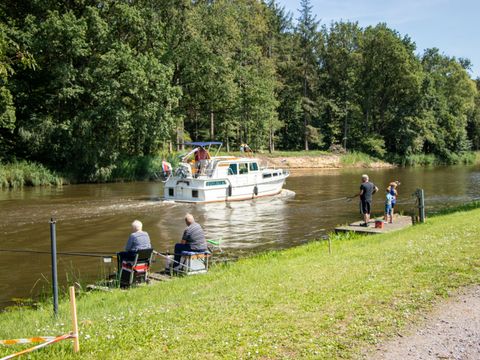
pixel 318 162
pixel 451 331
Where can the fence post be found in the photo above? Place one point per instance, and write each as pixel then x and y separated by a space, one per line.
pixel 73 309
pixel 421 204
pixel 53 238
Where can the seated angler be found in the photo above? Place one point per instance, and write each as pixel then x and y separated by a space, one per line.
pixel 138 239
pixel 134 262
pixel 193 239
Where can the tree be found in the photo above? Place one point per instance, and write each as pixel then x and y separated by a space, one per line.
pixel 11 55
pixel 309 52
pixel 101 91
pixel 389 89
pixel 452 98
pixel 474 120
pixel 342 60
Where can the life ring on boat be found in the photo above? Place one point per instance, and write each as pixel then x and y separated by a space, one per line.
pixel 255 190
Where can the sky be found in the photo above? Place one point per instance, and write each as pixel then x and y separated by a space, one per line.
pixel 452 26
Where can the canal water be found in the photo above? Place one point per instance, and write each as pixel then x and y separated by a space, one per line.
pixel 97 218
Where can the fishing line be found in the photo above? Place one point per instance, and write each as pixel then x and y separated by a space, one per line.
pixel 59 253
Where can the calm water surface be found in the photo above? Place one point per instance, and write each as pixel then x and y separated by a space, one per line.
pixel 98 217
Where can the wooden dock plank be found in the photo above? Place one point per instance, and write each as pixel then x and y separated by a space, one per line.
pixel 399 222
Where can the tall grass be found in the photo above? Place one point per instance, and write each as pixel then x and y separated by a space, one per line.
pixel 356 158
pixel 24 173
pixel 465 158
pixel 142 167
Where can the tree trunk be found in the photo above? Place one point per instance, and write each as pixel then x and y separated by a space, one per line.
pixel 304 111
pixel 345 129
pixel 180 145
pixel 270 141
pixel 196 126
pixel 212 125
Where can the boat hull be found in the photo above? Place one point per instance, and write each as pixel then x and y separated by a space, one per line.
pixel 221 190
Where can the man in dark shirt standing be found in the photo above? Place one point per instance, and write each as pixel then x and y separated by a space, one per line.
pixel 367 189
pixel 193 239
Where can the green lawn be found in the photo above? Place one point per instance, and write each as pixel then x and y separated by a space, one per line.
pixel 298 303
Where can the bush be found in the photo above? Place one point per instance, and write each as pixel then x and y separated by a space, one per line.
pixel 337 149
pixel 465 158
pixel 356 158
pixel 23 173
pixel 141 167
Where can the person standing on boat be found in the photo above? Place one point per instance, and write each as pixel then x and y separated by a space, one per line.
pixel 138 239
pixel 193 239
pixel 201 159
pixel 367 189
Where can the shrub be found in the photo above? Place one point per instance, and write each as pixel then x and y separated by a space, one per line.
pixel 23 173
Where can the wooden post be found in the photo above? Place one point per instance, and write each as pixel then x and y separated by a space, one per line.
pixel 329 245
pixel 421 204
pixel 73 309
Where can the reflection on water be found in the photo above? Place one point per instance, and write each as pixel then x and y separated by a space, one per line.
pixel 98 217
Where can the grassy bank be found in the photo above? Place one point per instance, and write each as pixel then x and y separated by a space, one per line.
pixel 24 173
pixel 354 158
pixel 298 303
pixel 466 158
pixel 143 168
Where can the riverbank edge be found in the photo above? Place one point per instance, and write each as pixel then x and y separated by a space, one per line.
pixel 31 174
pixel 365 291
pixel 148 168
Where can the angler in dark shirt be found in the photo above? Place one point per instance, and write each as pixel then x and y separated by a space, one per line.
pixel 193 239
pixel 367 189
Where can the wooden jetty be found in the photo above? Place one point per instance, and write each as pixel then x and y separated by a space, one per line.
pixel 399 222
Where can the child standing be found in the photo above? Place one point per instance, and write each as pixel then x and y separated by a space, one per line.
pixel 392 187
pixel 388 207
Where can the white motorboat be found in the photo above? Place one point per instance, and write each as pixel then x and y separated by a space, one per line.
pixel 221 178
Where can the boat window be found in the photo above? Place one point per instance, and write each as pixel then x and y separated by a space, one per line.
pixel 170 191
pixel 215 183
pixel 275 174
pixel 243 168
pixel 267 175
pixel 232 169
pixel 195 193
pixel 253 166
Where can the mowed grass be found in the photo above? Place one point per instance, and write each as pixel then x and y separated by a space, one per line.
pixel 298 303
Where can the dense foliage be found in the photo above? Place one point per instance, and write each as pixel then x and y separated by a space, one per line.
pixel 86 84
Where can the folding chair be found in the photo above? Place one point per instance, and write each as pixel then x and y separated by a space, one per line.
pixel 133 266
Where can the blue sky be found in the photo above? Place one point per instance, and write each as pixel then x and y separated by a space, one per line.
pixel 452 26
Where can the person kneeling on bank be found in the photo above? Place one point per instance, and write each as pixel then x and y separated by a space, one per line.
pixel 193 239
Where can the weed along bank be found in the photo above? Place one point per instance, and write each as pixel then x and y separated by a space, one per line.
pixel 302 302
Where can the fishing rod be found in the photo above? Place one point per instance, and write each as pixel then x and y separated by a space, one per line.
pixel 59 253
pixel 216 243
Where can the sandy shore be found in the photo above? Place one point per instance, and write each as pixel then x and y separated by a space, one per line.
pixel 319 162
